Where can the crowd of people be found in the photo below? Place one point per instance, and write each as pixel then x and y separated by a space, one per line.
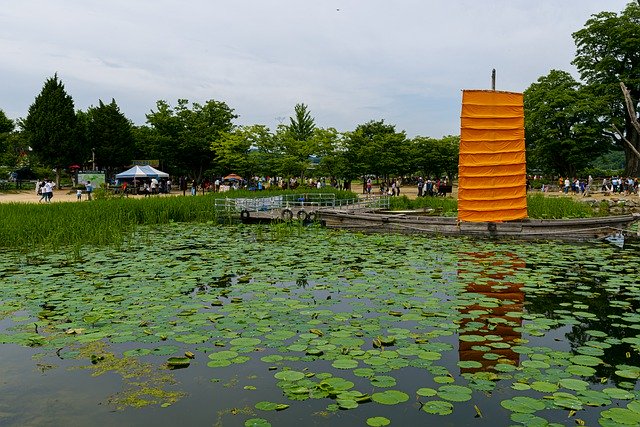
pixel 580 186
pixel 44 189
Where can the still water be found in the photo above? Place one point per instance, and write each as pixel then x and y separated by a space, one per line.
pixel 288 325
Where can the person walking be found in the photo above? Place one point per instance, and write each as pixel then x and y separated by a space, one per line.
pixel 40 191
pixel 48 190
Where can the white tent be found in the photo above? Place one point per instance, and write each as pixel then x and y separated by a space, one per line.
pixel 142 172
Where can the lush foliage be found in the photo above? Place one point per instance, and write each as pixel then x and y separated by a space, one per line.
pixel 109 220
pixel 111 133
pixel 563 133
pixel 446 206
pixel 50 127
pixel 182 136
pixel 608 52
pixel 540 206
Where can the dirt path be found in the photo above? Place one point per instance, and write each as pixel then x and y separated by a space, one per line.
pixel 411 191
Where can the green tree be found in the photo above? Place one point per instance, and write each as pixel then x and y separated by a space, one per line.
pixel 435 157
pixel 608 52
pixel 110 135
pixel 376 148
pixel 188 134
pixel 562 127
pixel 7 157
pixel 50 127
pixel 6 124
pixel 301 126
pixel 237 151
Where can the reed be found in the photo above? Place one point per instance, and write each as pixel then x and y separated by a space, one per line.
pixel 111 220
pixel 543 207
pixel 441 205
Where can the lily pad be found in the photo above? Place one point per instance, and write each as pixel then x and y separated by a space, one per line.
pixel 390 397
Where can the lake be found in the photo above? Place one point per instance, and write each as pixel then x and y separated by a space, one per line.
pixel 257 326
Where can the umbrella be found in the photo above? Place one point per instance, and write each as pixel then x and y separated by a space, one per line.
pixel 232 177
pixel 74 167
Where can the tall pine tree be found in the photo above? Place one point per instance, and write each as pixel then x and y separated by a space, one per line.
pixel 50 127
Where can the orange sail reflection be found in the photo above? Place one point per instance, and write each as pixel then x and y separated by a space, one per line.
pixel 499 322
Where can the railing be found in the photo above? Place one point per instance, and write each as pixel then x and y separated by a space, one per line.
pixel 312 200
pixel 283 201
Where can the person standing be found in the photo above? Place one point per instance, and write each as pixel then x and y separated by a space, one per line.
pixel 89 188
pixel 587 187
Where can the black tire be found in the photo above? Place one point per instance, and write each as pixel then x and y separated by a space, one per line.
pixel 244 214
pixel 287 215
pixel 302 215
pixel 312 216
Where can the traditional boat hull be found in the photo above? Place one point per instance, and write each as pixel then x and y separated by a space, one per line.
pixel 531 229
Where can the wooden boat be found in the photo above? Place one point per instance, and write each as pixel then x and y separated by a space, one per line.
pixel 577 229
pixel 492 196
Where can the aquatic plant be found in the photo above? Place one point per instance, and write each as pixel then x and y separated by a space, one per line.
pixel 111 220
pixel 362 328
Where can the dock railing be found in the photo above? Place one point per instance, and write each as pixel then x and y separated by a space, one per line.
pixel 311 201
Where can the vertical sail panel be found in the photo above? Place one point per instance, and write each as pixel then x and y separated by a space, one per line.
pixel 492 164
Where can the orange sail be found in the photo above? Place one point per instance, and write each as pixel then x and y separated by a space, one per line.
pixel 492 167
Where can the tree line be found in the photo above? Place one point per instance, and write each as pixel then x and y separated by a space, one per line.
pixel 201 140
pixel 568 125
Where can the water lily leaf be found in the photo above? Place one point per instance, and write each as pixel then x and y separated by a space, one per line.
pixel 585 360
pixel 390 397
pixel 523 404
pixel 573 384
pixel 223 355
pixel 426 392
pixel 544 386
pixel 628 373
pixel 378 421
pixel 266 406
pixel 443 379
pixel 622 416
pixel 289 375
pixel 566 400
pixel 345 364
pixel 335 383
pixel 618 393
pixel 383 381
pixel 178 362
pixel 437 407
pixel 347 403
pixel 257 422
pixel 245 342
pixel 455 393
pixel 583 371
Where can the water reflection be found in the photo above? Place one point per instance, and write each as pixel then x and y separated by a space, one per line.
pixel 594 308
pixel 488 329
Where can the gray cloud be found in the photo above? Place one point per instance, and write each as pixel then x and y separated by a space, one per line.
pixel 405 62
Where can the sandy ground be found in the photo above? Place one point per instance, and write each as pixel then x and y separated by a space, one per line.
pixel 58 196
pixel 70 196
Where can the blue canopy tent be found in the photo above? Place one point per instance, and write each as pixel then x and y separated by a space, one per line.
pixel 142 172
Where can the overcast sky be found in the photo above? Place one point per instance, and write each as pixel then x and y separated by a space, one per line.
pixel 350 61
